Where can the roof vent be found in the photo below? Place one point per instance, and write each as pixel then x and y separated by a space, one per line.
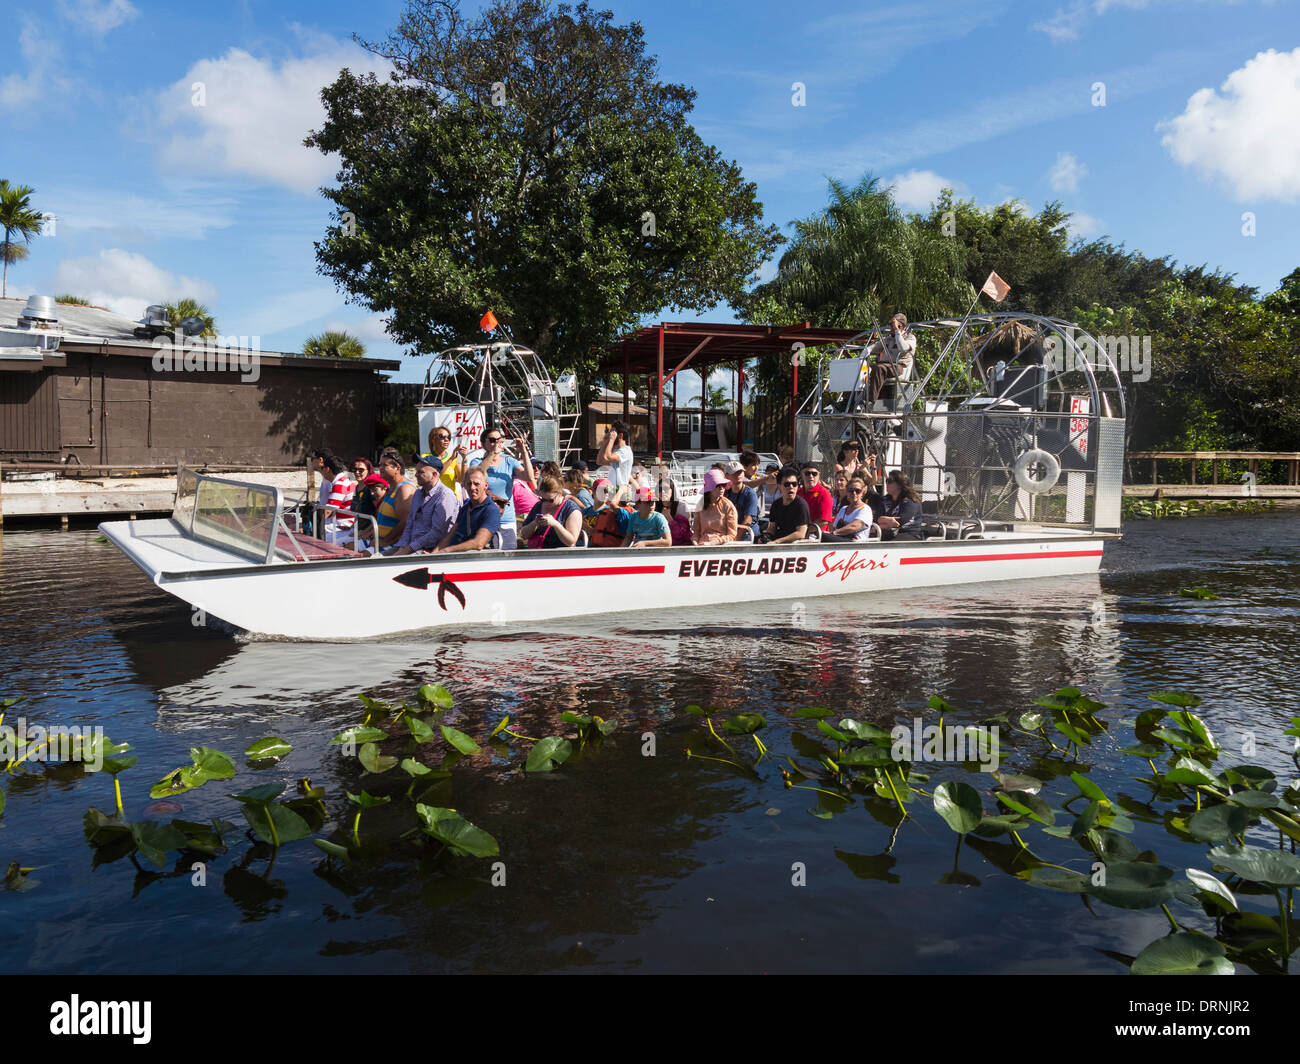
pixel 40 313
pixel 155 322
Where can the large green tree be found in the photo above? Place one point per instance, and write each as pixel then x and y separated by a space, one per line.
pixel 334 343
pixel 530 162
pixel 17 219
pixel 859 261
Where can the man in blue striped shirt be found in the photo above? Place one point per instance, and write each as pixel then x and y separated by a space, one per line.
pixel 433 510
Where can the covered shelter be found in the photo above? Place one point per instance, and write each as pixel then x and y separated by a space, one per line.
pixel 664 350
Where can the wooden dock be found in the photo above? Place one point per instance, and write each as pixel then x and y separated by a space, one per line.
pixel 1238 484
pixel 39 492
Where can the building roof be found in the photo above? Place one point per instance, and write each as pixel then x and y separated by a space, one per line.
pixel 98 326
pixel 706 344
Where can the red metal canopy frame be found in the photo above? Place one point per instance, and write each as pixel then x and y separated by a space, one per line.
pixel 651 348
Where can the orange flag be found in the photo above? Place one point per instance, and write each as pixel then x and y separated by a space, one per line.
pixel 488 322
pixel 996 288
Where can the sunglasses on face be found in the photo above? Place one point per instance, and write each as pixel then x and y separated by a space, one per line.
pixel 790 484
pixel 855 491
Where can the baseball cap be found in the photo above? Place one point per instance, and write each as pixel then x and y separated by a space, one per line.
pixel 430 460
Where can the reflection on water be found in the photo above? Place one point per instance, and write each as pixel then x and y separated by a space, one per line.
pixel 619 861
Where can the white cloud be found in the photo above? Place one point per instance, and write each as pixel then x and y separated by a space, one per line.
pixel 1066 172
pixel 126 282
pixel 1245 134
pixel 1066 24
pixel 290 310
pixel 98 16
pixel 917 189
pixel 255 113
pixel 129 216
pixel 1084 225
pixel 43 80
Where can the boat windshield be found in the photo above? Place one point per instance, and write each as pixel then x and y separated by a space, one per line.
pixel 235 516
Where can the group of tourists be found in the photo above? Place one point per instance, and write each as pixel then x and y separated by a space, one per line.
pixel 441 502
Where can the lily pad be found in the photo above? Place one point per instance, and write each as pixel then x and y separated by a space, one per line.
pixel 1211 885
pixel 1217 823
pixel 1134 885
pixel 372 760
pixel 455 832
pixel 435 696
pixel 459 740
pixel 264 749
pixel 357 734
pixel 959 805
pixel 1277 868
pixel 1183 953
pixel 548 754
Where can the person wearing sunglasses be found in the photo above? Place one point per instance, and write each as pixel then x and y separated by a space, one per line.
pixel 499 468
pixel 451 459
pixel 556 520
pixel 853 519
pixel 814 493
pixel 788 518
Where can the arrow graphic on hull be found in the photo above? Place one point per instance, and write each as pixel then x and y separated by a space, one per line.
pixel 421 579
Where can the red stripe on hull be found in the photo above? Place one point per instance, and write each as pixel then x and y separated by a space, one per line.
pixel 625 570
pixel 1040 555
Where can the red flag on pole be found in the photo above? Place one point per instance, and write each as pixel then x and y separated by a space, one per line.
pixel 996 288
pixel 488 322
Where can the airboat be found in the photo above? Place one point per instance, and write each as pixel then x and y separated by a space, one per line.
pixel 1011 427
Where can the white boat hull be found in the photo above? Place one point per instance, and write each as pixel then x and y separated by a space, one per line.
pixel 364 598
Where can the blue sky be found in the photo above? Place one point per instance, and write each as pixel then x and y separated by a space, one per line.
pixel 154 196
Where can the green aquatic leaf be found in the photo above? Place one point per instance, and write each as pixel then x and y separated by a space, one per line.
pixel 1088 789
pixel 275 823
pixel 212 763
pixel 1055 879
pixel 959 805
pixel 1197 593
pixel 1015 782
pixel 333 849
pixel 816 713
pixel 357 734
pixel 1084 821
pixel 866 755
pixel 1277 868
pixel 373 761
pixel 1190 772
pixel 1147 750
pixel 1216 823
pixel 459 740
pixel 455 832
pixel 744 723
pixel 1195 726
pixel 153 840
pixel 260 795
pixel 420 731
pixel 834 733
pixel 865 730
pixel 1209 884
pixel 435 696
pixel 367 801
pixel 1133 885
pixel 1031 805
pixel 1183 953
pixel 1176 698
pixel 272 747
pixel 1031 721
pixel 548 754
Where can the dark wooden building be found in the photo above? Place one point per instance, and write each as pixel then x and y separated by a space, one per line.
pixel 108 398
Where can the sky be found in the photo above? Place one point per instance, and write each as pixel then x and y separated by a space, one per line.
pixel 165 140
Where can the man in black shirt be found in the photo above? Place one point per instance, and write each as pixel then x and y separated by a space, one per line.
pixel 789 517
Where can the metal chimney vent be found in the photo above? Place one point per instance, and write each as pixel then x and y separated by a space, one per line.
pixel 40 313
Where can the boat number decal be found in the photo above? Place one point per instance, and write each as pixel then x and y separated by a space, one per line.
pixel 421 579
pixel 851 564
pixel 741 566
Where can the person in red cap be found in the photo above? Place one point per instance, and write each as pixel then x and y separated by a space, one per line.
pixel 372 489
pixel 647 527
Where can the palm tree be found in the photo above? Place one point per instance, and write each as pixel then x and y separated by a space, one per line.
pixel 860 261
pixel 16 219
pixel 191 308
pixel 334 344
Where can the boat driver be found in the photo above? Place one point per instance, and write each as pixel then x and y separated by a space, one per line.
pixel 894 353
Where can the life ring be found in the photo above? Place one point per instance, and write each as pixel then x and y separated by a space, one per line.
pixel 1034 461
